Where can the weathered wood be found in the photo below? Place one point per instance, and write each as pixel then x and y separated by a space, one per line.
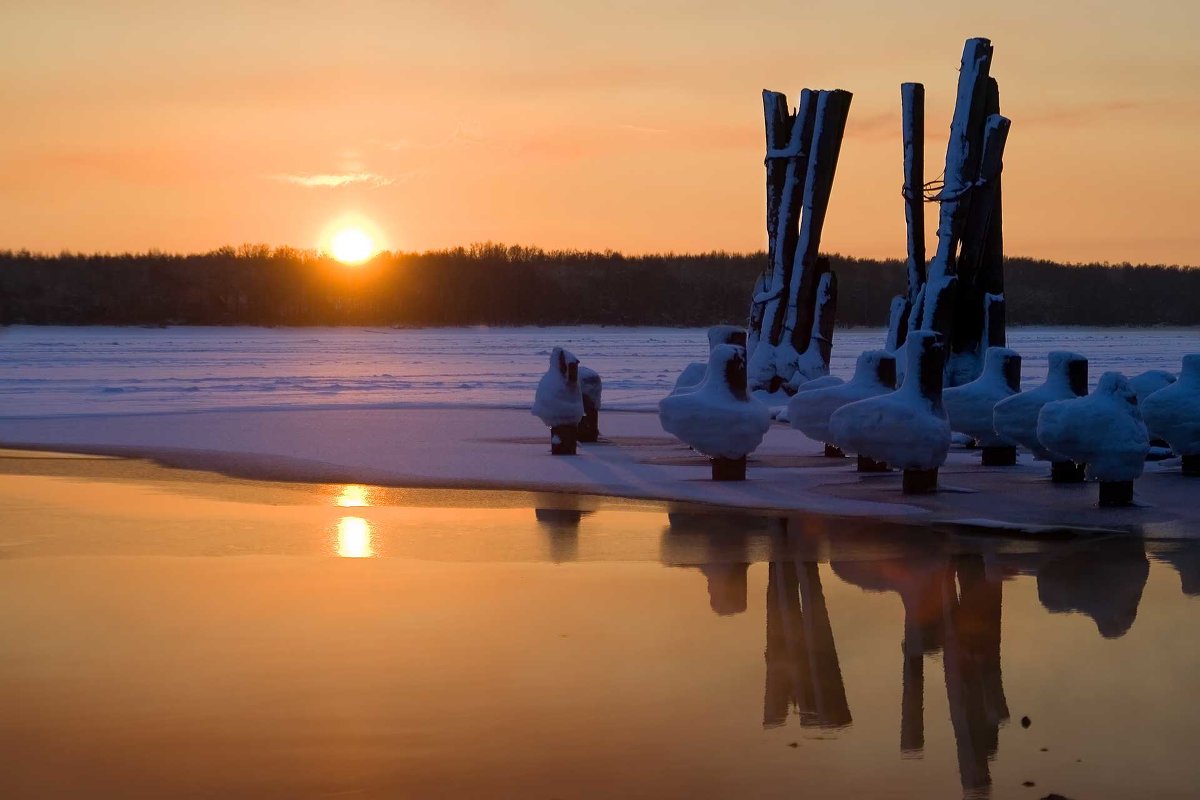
pixel 969 328
pixel 563 439
pixel 866 464
pixel 912 101
pixel 833 107
pixel 794 158
pixel 991 267
pixel 963 153
pixel 1114 494
pixel 778 122
pixel 729 469
pixel 919 481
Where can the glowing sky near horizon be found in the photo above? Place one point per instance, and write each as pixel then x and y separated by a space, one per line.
pixel 630 125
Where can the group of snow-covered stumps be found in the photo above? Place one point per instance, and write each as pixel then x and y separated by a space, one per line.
pixel 944 368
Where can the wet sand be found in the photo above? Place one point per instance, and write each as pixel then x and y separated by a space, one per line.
pixel 171 633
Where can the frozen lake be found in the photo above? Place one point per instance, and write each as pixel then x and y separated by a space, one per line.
pixel 47 371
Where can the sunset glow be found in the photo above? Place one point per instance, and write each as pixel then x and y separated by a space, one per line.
pixel 352 245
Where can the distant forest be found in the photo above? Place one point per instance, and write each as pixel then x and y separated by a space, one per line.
pixel 489 284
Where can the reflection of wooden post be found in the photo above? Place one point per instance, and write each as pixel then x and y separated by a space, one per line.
pixel 829 690
pixel 971 656
pixel 912 703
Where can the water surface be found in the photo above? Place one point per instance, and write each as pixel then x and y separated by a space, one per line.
pixel 175 634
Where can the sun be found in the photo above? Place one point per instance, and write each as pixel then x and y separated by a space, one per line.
pixel 352 245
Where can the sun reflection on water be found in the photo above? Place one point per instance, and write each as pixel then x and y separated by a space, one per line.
pixel 354 538
pixel 353 496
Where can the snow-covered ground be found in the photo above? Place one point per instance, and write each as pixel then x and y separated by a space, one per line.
pixel 346 406
pixel 46 371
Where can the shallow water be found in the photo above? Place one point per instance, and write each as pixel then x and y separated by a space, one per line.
pixel 177 634
pixel 89 370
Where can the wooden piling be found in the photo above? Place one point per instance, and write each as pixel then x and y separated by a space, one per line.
pixel 729 469
pixel 563 439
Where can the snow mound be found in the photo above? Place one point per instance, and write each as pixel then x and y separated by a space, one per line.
pixel 1104 430
pixel 691 377
pixel 1149 382
pixel 590 386
pixel 693 374
pixel 971 406
pixel 810 409
pixel 823 382
pixel 559 400
pixel 907 428
pixel 1173 412
pixel 719 418
pixel 1016 417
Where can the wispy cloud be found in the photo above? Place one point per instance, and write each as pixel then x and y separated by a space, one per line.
pixel 336 179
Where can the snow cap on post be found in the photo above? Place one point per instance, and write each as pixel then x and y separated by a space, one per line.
pixel 1016 417
pixel 559 400
pixel 719 418
pixel 809 411
pixel 906 428
pixel 1104 430
pixel 971 406
pixel 1174 411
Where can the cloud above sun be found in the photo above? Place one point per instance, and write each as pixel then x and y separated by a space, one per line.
pixel 336 179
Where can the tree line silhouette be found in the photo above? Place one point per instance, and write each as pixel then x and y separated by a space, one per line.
pixel 493 284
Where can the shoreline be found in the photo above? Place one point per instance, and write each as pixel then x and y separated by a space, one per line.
pixel 462 449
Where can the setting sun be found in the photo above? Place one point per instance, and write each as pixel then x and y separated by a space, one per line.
pixel 352 245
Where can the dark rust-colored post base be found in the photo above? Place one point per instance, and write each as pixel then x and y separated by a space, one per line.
pixel 729 469
pixel 871 465
pixel 1067 472
pixel 563 439
pixel 589 426
pixel 1116 493
pixel 920 481
pixel 1191 464
pixel 833 451
pixel 999 456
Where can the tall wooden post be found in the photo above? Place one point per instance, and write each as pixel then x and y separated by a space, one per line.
pixel 963 153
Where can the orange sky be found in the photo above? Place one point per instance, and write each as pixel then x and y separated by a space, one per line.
pixel 631 125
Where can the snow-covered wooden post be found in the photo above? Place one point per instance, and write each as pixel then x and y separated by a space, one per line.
pixel 963 295
pixel 790 338
pixel 810 409
pixel 1105 430
pixel 559 402
pixel 907 428
pixel 719 418
pixel 1016 417
pixel 1173 413
pixel 590 387
pixel 971 407
pixel 912 99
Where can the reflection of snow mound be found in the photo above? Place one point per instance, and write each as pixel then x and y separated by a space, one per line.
pixel 559 400
pixel 1016 417
pixel 718 418
pixel 1103 430
pixel 1173 412
pixel 1104 582
pixel 907 428
pixel 971 407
